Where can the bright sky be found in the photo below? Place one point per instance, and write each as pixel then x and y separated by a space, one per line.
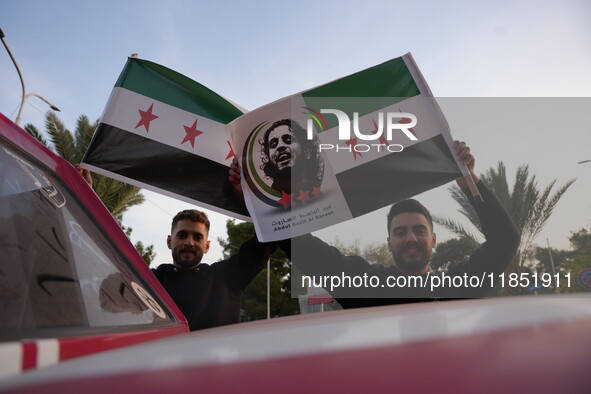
pixel 71 52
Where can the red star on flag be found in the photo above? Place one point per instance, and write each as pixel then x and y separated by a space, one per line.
pixel 304 196
pixel 146 118
pixel 285 200
pixel 353 143
pixel 316 192
pixel 231 153
pixel 383 139
pixel 192 132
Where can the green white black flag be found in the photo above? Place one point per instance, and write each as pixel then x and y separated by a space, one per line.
pixel 165 132
pixel 394 143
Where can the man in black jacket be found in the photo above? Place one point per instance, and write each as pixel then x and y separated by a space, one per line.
pixel 411 241
pixel 208 295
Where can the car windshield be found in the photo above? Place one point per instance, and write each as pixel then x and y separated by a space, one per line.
pixel 59 274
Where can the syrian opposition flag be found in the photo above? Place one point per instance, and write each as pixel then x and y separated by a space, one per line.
pixel 351 175
pixel 165 132
pixel 369 176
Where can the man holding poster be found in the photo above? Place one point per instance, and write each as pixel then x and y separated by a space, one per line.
pixel 411 239
pixel 371 138
pixel 165 132
pixel 379 123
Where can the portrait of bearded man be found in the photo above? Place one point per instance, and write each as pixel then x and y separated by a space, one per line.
pixel 290 160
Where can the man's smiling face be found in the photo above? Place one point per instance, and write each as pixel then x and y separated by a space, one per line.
pixel 188 243
pixel 411 241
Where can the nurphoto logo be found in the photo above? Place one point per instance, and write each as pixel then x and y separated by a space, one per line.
pixel 394 121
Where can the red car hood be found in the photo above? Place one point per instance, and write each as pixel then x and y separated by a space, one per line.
pixel 536 344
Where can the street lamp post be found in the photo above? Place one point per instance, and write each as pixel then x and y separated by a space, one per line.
pixel 24 95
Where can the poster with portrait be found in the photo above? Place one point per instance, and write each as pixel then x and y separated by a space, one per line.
pixel 342 149
pixel 289 188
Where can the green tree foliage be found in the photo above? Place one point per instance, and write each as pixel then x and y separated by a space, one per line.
pixel 452 252
pixel 572 262
pixel 528 205
pixel 254 298
pixel 117 196
pixel 374 253
pixel 147 252
pixel 542 262
pixel 577 261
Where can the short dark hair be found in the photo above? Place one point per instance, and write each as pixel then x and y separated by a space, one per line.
pixel 409 205
pixel 191 214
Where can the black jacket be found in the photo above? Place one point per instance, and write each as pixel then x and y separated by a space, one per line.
pixel 314 257
pixel 209 295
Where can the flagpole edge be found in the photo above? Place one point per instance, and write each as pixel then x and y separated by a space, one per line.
pixel 473 188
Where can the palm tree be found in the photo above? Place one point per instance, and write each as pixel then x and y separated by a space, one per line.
pixel 529 206
pixel 117 196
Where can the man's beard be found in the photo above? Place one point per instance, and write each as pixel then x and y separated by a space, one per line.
pixel 184 263
pixel 274 172
pixel 281 178
pixel 414 264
